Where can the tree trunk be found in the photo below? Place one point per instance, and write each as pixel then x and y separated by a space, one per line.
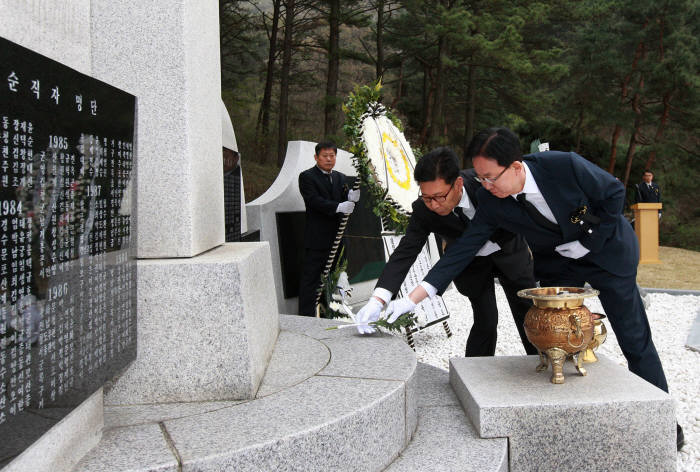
pixel 263 129
pixel 437 116
pixel 636 134
pixel 632 149
pixel 284 82
pixel 470 112
pixel 330 124
pixel 624 92
pixel 579 125
pixel 613 150
pixel 428 101
pixel 666 101
pixel 425 96
pixel 399 86
pixel 659 130
pixel 380 42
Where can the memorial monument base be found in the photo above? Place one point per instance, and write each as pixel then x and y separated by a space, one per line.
pixel 60 449
pixel 207 326
pixel 609 420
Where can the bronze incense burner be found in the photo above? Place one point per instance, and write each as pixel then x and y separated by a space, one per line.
pixel 559 326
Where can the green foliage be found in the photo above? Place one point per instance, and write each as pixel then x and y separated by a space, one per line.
pixel 564 71
pixel 328 288
pixel 354 107
pixel 404 321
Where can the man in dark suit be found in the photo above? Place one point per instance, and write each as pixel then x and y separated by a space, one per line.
pixel 570 212
pixel 445 207
pixel 327 199
pixel 647 191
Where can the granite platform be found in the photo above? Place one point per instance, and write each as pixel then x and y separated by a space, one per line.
pixel 445 440
pixel 608 420
pixel 329 400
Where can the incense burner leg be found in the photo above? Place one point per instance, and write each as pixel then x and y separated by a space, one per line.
pixel 557 357
pixel 544 362
pixel 578 357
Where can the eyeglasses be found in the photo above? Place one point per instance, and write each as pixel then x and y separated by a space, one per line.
pixel 437 198
pixel 489 180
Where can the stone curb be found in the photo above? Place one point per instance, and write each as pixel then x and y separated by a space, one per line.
pixel 671 291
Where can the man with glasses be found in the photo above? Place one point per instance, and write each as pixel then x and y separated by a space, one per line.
pixel 570 212
pixel 445 207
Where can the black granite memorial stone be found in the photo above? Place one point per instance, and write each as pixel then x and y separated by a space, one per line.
pixel 67 265
pixel 232 196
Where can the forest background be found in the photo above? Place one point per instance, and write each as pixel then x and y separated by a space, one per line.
pixel 613 80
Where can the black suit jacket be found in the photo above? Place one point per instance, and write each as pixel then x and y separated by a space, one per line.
pixel 321 199
pixel 449 227
pixel 567 182
pixel 644 194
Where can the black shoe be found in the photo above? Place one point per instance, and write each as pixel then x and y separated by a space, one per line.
pixel 680 439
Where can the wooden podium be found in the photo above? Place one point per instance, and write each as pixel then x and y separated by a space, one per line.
pixel 646 225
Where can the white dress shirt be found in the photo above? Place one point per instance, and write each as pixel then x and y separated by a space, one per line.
pixel 534 196
pixel 465 205
pixel 573 249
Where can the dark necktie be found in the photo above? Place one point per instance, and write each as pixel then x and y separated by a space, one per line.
pixel 462 217
pixel 538 217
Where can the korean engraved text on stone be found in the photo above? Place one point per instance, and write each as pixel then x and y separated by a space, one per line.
pixel 67 272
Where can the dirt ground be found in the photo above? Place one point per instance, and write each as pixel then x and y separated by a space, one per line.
pixel 679 269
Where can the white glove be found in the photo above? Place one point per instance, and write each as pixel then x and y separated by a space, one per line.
pixel 370 312
pixel 397 308
pixel 488 248
pixel 572 250
pixel 354 195
pixel 345 207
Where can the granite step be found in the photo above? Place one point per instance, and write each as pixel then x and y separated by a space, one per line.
pixel 330 400
pixel 609 419
pixel 446 440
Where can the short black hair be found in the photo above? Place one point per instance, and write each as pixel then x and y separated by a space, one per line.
pixel 326 145
pixel 440 163
pixel 647 171
pixel 499 144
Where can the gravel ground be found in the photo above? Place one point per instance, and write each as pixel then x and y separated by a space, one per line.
pixel 670 317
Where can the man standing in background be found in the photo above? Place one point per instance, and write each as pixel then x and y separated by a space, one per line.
pixel 647 191
pixel 327 199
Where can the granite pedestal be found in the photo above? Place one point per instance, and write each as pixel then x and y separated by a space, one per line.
pixel 205 332
pixel 60 449
pixel 609 420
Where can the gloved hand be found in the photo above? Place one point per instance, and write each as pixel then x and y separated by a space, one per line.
pixel 345 208
pixel 368 313
pixel 397 308
pixel 354 195
pixel 572 250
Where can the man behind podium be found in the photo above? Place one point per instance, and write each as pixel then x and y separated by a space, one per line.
pixel 647 191
pixel 570 212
